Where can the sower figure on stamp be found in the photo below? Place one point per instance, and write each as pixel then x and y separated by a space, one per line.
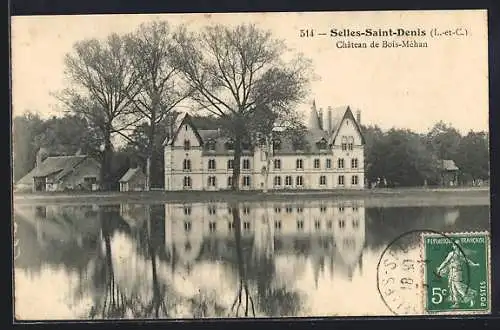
pixel 453 266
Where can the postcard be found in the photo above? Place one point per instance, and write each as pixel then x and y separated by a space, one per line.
pixel 258 165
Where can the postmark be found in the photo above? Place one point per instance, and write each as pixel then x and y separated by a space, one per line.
pixel 457 273
pixel 427 272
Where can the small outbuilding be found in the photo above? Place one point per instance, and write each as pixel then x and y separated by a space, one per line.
pixel 449 173
pixel 60 173
pixel 133 180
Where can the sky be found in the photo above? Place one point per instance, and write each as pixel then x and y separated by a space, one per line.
pixel 393 87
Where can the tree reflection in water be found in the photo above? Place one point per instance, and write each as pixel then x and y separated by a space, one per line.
pixel 259 270
pixel 243 280
pixel 111 302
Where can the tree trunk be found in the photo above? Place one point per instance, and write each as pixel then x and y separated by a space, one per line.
pixel 236 163
pixel 152 252
pixel 149 157
pixel 105 173
pixel 268 163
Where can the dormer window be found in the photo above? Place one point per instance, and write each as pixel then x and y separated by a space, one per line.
pixel 245 146
pixel 322 144
pixel 211 145
pixel 229 145
pixel 187 144
pixel 277 144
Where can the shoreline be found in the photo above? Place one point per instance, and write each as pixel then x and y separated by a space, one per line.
pixel 382 197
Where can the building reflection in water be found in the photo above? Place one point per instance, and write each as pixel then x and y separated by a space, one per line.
pixel 197 260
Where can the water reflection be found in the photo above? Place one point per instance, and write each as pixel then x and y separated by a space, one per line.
pixel 213 259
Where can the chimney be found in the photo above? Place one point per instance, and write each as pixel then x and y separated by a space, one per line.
pixel 321 121
pixel 41 155
pixel 329 119
pixel 358 117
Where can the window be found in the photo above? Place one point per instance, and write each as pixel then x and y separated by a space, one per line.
pixel 246 210
pixel 288 209
pixel 187 225
pixel 277 164
pixel 328 163
pixel 299 181
pixel 341 180
pixel 211 145
pixel 277 210
pixel 187 181
pixel 322 209
pixel 300 209
pixel 322 180
pixel 341 163
pixel 341 209
pixel 229 181
pixel 288 180
pixel 277 225
pixel 317 225
pixel 212 226
pixel 229 145
pixel 187 210
pixel 187 144
pixel 246 164
pixel 246 181
pixel 230 164
pixel 355 208
pixel 186 165
pixel 211 164
pixel 277 144
pixel 354 180
pixel 212 181
pixel 350 143
pixel 344 143
pixel 354 163
pixel 300 224
pixel 212 210
pixel 299 164
pixel 90 180
pixel 230 225
pixel 316 163
pixel 321 144
pixel 246 225
pixel 341 223
pixel 277 181
pixel 329 224
pixel 355 223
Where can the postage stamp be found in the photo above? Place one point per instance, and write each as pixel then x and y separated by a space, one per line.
pixel 457 273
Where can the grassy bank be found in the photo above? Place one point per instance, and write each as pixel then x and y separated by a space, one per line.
pixel 374 197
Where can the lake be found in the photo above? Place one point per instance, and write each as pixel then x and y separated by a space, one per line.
pixel 202 259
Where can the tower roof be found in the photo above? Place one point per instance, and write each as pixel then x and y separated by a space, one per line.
pixel 314 121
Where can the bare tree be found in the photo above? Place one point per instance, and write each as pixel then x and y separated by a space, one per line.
pixel 104 81
pixel 237 72
pixel 161 89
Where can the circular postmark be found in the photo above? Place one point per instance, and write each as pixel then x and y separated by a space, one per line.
pixel 403 275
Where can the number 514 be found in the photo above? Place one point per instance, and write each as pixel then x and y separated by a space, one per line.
pixel 306 33
pixel 437 295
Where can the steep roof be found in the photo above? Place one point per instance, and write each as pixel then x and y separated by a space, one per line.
pixel 131 173
pixel 60 165
pixel 314 121
pixel 338 115
pixel 183 118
